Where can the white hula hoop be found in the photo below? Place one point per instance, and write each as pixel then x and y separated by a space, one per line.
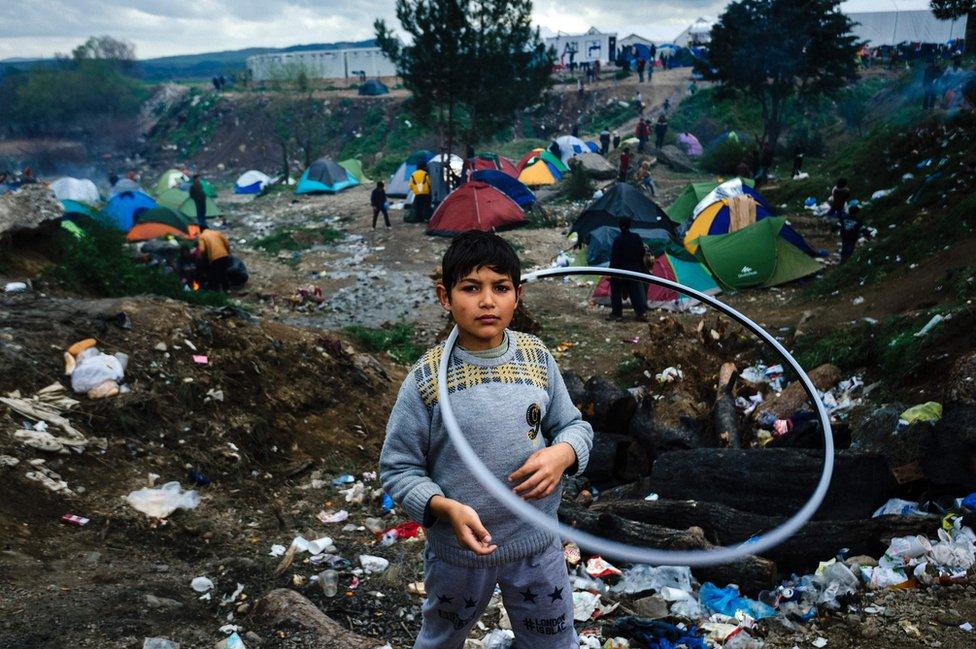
pixel 615 549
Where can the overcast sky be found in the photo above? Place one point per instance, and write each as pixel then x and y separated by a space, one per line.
pixel 39 28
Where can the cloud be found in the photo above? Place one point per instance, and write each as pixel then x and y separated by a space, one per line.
pixel 167 27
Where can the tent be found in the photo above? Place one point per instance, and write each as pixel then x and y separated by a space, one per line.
pixel 76 210
pixel 539 172
pixel 570 146
pixel 125 207
pixel 757 255
pixel 456 162
pixel 677 268
pixel 717 218
pixel 76 189
pixel 125 185
pixel 373 88
pixel 162 222
pixel 594 147
pixel 690 144
pixel 728 189
pixel 511 187
pixel 683 207
pixel 354 168
pixel 475 206
pixel 169 179
pixel 547 155
pixel 399 184
pixel 601 242
pixel 324 176
pixel 493 161
pixel 180 201
pixel 622 200
pixel 251 182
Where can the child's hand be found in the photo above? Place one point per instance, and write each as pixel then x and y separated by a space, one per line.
pixel 543 470
pixel 467 525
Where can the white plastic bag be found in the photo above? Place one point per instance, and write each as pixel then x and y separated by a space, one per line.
pixel 94 368
pixel 161 502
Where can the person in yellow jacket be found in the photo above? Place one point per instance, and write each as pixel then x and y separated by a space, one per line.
pixel 420 186
pixel 213 254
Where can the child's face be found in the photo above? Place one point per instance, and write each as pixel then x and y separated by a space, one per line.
pixel 483 304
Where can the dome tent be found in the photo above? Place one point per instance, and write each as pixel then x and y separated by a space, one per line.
pixel 125 185
pixel 570 146
pixel 373 88
pixel 509 186
pixel 399 183
pixel 672 265
pixel 475 206
pixel 490 160
pixel 251 182
pixel 545 154
pixel 169 179
pixel 684 206
pixel 622 200
pixel 76 189
pixel 354 168
pixel 125 207
pixel 162 222
pixel 601 242
pixel 78 211
pixel 725 216
pixel 180 200
pixel 324 177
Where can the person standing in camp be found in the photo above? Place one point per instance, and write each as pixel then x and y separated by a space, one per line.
pixel 660 129
pixel 643 178
pixel 604 142
pixel 420 186
pixel 797 161
pixel 929 84
pixel 213 251
pixel 378 200
pixel 641 65
pixel 616 140
pixel 639 103
pixel 627 253
pixel 643 133
pixel 199 196
pixel 851 229
pixel 624 165
pixel 839 196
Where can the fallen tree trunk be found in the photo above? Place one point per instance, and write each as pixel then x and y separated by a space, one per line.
pixel 752 574
pixel 608 407
pixel 815 541
pixel 725 416
pixel 286 608
pixel 774 482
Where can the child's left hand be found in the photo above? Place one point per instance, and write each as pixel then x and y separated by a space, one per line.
pixel 543 470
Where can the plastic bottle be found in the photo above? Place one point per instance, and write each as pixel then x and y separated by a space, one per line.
pixel 330 582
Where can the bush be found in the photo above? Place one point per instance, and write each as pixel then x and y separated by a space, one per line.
pixel 397 340
pixel 99 264
pixel 578 186
pixel 725 156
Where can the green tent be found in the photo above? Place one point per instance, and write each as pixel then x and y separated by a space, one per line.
pixel 77 208
pixel 684 206
pixel 755 256
pixel 180 200
pixel 169 179
pixel 354 168
pixel 166 216
pixel 554 160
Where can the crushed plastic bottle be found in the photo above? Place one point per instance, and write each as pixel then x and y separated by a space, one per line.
pixel 329 580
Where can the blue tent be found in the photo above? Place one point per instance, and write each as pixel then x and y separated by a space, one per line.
pixel 594 147
pixel 507 185
pixel 601 242
pixel 124 207
pixel 324 176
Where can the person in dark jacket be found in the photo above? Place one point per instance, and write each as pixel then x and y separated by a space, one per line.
pixel 851 229
pixel 624 165
pixel 199 196
pixel 604 142
pixel 627 253
pixel 660 129
pixel 378 200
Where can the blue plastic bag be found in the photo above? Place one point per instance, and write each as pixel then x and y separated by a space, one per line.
pixel 728 601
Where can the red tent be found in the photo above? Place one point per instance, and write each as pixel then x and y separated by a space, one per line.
pixel 493 161
pixel 475 206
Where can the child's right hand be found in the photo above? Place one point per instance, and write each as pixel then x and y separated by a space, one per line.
pixel 467 525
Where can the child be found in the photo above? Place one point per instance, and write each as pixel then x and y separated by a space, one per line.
pixel 378 200
pixel 513 407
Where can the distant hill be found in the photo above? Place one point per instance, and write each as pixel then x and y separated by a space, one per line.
pixel 197 66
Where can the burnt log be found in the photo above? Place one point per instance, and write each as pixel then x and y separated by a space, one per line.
pixel 283 608
pixel 949 460
pixel 815 541
pixel 575 387
pixel 607 406
pixel 725 416
pixel 660 427
pixel 774 482
pixel 616 458
pixel 752 574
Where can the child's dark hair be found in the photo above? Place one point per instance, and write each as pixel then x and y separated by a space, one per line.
pixel 474 249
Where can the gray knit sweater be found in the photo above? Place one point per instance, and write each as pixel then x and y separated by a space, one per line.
pixel 508 408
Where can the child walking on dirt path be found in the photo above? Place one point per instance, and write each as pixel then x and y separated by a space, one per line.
pixel 513 407
pixel 378 200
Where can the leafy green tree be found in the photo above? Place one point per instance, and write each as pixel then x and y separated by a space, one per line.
pixel 470 65
pixel 953 9
pixel 779 50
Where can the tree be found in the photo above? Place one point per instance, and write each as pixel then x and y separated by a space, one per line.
pixel 106 48
pixel 953 9
pixel 471 64
pixel 778 50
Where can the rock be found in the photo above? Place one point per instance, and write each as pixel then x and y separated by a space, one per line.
pixel 596 166
pixel 165 97
pixel 962 381
pixel 252 639
pixel 793 398
pixel 653 607
pixel 675 158
pixel 286 608
pixel 949 618
pixel 162 603
pixel 29 208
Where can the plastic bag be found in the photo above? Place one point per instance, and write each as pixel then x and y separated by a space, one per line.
pixel 728 601
pixel 373 564
pixel 897 507
pixel 94 368
pixel 163 501
pixel 929 412
pixel 643 577
pixel 159 643
pixel 498 639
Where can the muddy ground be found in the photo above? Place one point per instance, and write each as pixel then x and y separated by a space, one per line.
pixel 298 406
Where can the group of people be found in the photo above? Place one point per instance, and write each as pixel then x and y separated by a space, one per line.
pixel 947 86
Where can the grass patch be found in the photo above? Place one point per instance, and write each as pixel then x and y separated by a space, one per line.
pixel 293 240
pixel 98 264
pixel 397 340
pixel 515 149
pixel 609 116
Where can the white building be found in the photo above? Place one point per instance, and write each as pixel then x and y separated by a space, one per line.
pixel 322 64
pixel 590 47
pixel 634 39
pixel 905 26
pixel 698 33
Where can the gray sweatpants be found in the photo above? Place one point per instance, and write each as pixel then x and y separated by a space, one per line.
pixel 536 592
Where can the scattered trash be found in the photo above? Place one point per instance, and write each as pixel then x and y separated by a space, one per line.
pixel 373 564
pixel 159 643
pixel 14 287
pixel 967 627
pixel 936 319
pixel 73 519
pixel 163 501
pixel 669 375
pixel 232 642
pixel 201 584
pixel 94 368
pixel 640 578
pixel 858 300
pixel 345 478
pixel 728 601
pixel 819 643
pixel 200 359
pixel 897 507
pixel 587 606
pixel 329 580
pixel 597 567
pixel 318 546
pixel 332 517
pixel 929 412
